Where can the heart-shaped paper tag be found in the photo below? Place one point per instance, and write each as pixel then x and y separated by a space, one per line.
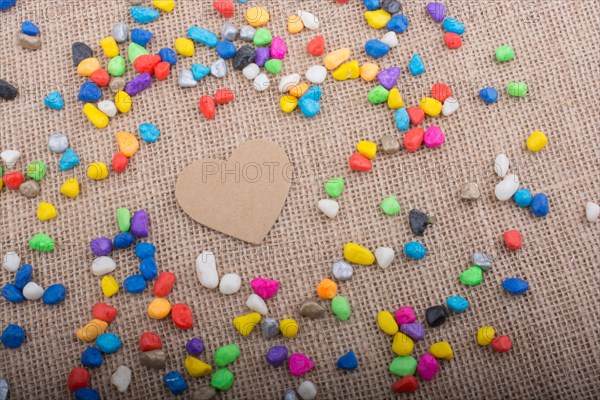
pixel 241 197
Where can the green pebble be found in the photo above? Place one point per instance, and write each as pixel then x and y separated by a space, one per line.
pixel 390 205
pixel 222 379
pixel 273 65
pixel 116 66
pixel 36 170
pixel 334 187
pixel 123 219
pixel 341 308
pixel 135 50
pixel 403 366
pixel 262 37
pixel 517 89
pixel 378 95
pixel 472 276
pixel 226 355
pixel 505 53
pixel 42 242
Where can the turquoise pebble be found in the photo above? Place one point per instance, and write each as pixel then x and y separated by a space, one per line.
pixel 175 382
pixel 376 48
pixel 416 65
pixel 200 71
pixel 457 304
pixel 415 250
pixel 108 343
pixel 203 36
pixel 149 132
pixel 453 25
pixel 54 294
pixel 313 93
pixel 134 284
pixel 371 5
pixel 402 119
pixel 143 15
pixel 515 285
pixel 54 101
pixel 523 197
pixel 309 107
pixel 13 336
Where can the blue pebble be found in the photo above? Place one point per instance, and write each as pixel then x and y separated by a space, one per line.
pixel 23 276
pixel 149 132
pixel 313 93
pixel 203 36
pixel 123 240
pixel 91 358
pixel 226 49
pixel 200 71
pixel 143 15
pixel 523 197
pixel 539 205
pixel 347 362
pixel 54 294
pixel 376 48
pixel 13 336
pixel 54 101
pixel 86 394
pixel 6 4
pixel 89 92
pixel 144 250
pixel 12 293
pixel 175 382
pixel 371 5
pixel 148 268
pixel 309 107
pixel 134 284
pixel 69 160
pixel 489 95
pixel 457 304
pixel 414 250
pixel 402 119
pixel 416 65
pixel 108 343
pixel 399 23
pixel 515 285
pixel 242 1
pixel 453 25
pixel 29 28
pixel 141 37
pixel 168 55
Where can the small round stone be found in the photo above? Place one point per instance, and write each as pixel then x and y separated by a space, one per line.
pixel 218 69
pixel 11 261
pixel 269 327
pixel 436 316
pixel 307 390
pixel 341 270
pixel 29 189
pixel 230 284
pixel 58 143
pixel 229 31
pixel 116 84
pixel 472 276
pixel 418 221
pixel 311 309
pixel 482 260
pixel 120 32
pixel 277 355
pixel 390 205
pixel 457 304
pixel 13 336
pixel 470 191
pixel 195 346
pixel 247 33
pixel 204 393
pixel 155 359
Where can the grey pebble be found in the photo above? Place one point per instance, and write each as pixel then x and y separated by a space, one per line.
pixel 186 79
pixel 3 389
pixel 391 6
pixel 120 32
pixel 269 328
pixel 58 143
pixel 342 270
pixel 229 31
pixel 390 144
pixel 29 189
pixel 204 393
pixel 290 394
pixel 482 260
pixel 30 42
pixel 116 84
pixel 469 191
pixel 218 69
pixel 247 33
pixel 154 359
pixel 80 52
pixel 311 309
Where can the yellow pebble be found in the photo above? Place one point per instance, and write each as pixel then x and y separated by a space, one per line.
pixel 336 58
pixel 294 24
pixel 357 254
pixel 348 70
pixel 367 149
pixel 70 188
pixel 246 323
pixel 1 184
pixel 46 211
pixel 123 101
pixel 110 47
pixel 402 344
pixel 378 18
pixel 128 143
pixel 288 103
pixel 185 47
pixel 288 328
pixel 159 308
pixel 96 117
pixel 369 71
pixel 165 5
pixel 299 90
pixel 88 66
pixel 442 351
pixel 97 171
pixel 196 368
pixel 537 141
pixel 387 323
pixel 431 106
pixel 257 16
pixel 395 100
pixel 485 334
pixel 110 287
pixel 91 330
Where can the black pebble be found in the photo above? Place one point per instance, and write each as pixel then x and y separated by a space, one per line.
pixel 7 91
pixel 436 316
pixel 391 6
pixel 81 51
pixel 243 57
pixel 418 221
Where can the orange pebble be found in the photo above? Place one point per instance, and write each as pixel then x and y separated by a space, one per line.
pixel 294 24
pixel 128 144
pixel 299 90
pixel 369 71
pixel 88 66
pixel 327 289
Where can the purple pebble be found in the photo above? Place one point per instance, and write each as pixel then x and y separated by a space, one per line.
pixel 437 11
pixel 414 330
pixel 139 224
pixel 138 84
pixel 261 56
pixel 194 346
pixel 101 246
pixel 277 355
pixel 388 77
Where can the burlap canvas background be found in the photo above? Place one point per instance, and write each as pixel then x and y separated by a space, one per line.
pixel 555 327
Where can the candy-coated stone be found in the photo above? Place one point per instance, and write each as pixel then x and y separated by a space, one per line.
pixel 96 117
pixel 418 221
pixel 123 240
pixel 110 47
pixel 104 312
pixel 472 276
pixel 367 149
pixel 12 293
pixel 78 378
pixel 222 379
pixel 327 289
pixel 413 139
pixel 485 335
pixel 376 48
pixel 182 316
pixel 402 119
pixel 97 171
pixel 391 39
pixel 164 284
pixel 110 287
pixel 390 205
pixel 416 65
pixel 41 242
pixel 27 27
pixel 195 346
pixel 336 58
pixel 134 284
pixel 378 95
pixel 143 15
pixel 453 25
pixel 539 205
pixel 405 315
pixel 504 53
pixel 537 141
pixel 387 323
pixel 54 101
pixel 13 336
pixel 402 345
pixel 155 359
pixel 431 106
pixel 120 32
pixel 294 24
pixel 372 4
pixel 196 368
pixel 515 285
pixel 273 66
pixel 89 92
pixel 388 77
pixel 501 344
pixel 457 304
pixel 278 48
pixel 399 23
pixel 185 47
pixel 334 187
pixel 159 308
pixel 347 362
pixel 513 239
pixel 369 71
pixel 377 18
pixel 265 288
pixel 168 55
pixel 436 316
pixel 108 107
pixel 46 211
pixel 299 364
pixel 358 255
pixel 140 224
pixel 148 268
pixel 416 115
pixel 289 328
pixel 88 66
pixel 441 91
pixel 403 366
pixel 395 100
pixel 340 307
pixel 517 89
pixel 164 5
pixel 441 351
pixel 358 162
pixel 225 355
pixel 277 355
pixel 121 378
pixel 489 95
pixel 138 85
pixel 427 367
pixel 437 11
pixel 128 143
pixel 414 330
pixel 299 90
pixel 175 382
pixel 288 103
pixel 146 63
pixel 434 137
pixel 269 328
pixel 150 341
pixel 257 16
pixel 91 330
pixel 86 394
pixel 316 47
pixel 80 51
pixel 346 71
pixel 408 384
pixel 134 51
pixel 91 357
pixel 309 20
pixel 123 219
pixel 203 36
pixel 123 101
pixel 452 40
pixel 384 256
pixel 244 324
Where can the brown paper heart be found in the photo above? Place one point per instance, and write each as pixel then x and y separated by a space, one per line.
pixel 241 197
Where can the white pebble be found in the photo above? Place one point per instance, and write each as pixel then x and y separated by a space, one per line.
pixel 342 270
pixel 33 291
pixel 251 71
pixel 261 82
pixel 186 79
pixel 256 303
pixel 505 189
pixel 218 69
pixel 230 284
pixel 103 265
pixel 11 261
pixel 108 107
pixel 592 211
pixel 120 32
pixel 206 267
pixel 10 157
pixel 288 82
pixel 58 143
pixel 450 106
pixel 307 390
pixel 329 207
pixel 316 74
pixel 501 165
pixel 384 256
pixel 121 378
pixel 390 38
pixel 309 20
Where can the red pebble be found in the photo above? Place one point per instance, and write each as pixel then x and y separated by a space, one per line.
pixel 13 179
pixel 440 92
pixel 513 239
pixel 164 284
pixel 78 378
pixel 341 1
pixel 150 341
pixel 119 162
pixel 501 344
pixel 224 96
pixel 207 106
pixel 453 41
pixel 182 316
pixel 358 162
pixel 145 64
pixel 224 7
pixel 413 139
pixel 161 70
pixel 408 384
pixel 100 77
pixel 316 47
pixel 104 312
pixel 416 115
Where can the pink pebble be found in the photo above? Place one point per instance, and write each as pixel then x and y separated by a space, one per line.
pixel 405 315
pixel 299 364
pixel 434 137
pixel 427 367
pixel 278 48
pixel 265 288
